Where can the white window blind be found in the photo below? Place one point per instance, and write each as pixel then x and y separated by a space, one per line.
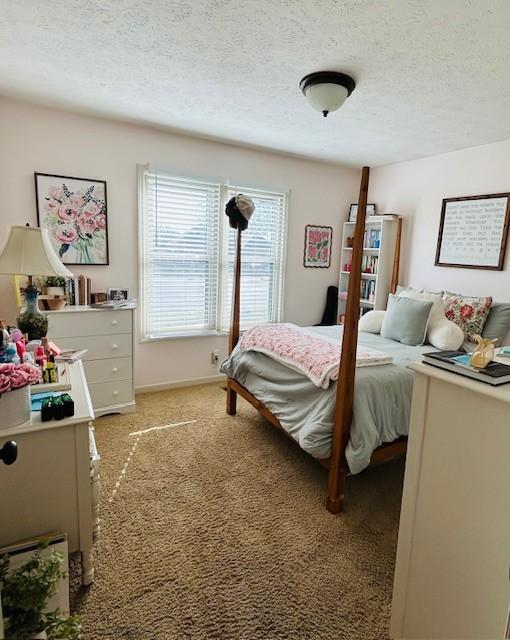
pixel 187 257
pixel 263 245
pixel 180 265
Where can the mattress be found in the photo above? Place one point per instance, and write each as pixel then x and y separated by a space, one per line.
pixel 382 397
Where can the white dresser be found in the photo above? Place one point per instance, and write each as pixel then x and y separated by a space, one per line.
pixel 53 486
pixel 108 338
pixel 452 574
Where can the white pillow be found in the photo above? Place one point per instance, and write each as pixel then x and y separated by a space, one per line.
pixel 371 321
pixel 445 335
pixel 401 289
pixel 437 313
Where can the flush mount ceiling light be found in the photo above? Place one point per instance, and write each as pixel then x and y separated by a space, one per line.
pixel 327 90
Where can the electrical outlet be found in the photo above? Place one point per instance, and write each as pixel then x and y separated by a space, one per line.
pixel 215 356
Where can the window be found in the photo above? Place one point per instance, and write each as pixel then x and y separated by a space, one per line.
pixel 262 261
pixel 187 256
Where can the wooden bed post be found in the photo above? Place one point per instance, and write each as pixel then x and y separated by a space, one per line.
pixel 396 259
pixel 234 321
pixel 345 386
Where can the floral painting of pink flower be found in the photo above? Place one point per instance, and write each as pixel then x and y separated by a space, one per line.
pixel 317 246
pixel 74 211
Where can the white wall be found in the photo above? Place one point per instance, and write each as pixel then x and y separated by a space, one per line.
pixel 416 190
pixel 34 138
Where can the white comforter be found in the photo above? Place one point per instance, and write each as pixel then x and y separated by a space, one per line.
pixel 382 398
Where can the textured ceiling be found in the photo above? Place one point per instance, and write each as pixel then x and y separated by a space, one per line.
pixel 432 75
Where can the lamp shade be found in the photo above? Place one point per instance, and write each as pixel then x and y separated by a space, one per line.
pixel 326 97
pixel 29 251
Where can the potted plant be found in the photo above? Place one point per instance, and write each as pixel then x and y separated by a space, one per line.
pixel 25 594
pixel 15 381
pixel 55 286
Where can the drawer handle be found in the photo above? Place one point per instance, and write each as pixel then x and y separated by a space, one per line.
pixel 115 346
pixel 114 322
pixel 115 393
pixel 115 369
pixel 9 452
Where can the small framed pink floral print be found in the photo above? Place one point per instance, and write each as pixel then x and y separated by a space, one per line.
pixel 74 211
pixel 317 246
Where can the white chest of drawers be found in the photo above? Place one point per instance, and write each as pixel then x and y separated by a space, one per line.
pixel 452 569
pixel 108 338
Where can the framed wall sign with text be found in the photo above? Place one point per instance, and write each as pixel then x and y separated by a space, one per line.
pixel 473 232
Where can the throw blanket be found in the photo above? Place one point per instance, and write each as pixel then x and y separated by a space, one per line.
pixel 315 357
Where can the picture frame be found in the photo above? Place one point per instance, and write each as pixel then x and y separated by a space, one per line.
pixel 75 212
pixel 317 249
pixel 98 297
pixel 353 212
pixel 118 294
pixel 473 232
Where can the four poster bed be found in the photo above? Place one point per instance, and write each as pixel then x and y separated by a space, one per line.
pixel 321 419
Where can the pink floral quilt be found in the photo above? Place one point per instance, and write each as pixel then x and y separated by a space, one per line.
pixel 314 356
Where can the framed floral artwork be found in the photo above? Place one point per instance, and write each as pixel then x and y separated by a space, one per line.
pixel 317 246
pixel 74 211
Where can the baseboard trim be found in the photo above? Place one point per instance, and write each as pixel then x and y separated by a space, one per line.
pixel 176 384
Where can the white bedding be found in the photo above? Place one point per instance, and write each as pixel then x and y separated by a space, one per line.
pixel 382 398
pixel 301 349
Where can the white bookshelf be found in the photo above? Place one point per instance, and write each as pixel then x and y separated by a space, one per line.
pixel 378 256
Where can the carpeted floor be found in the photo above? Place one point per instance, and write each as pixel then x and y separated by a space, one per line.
pixel 217 529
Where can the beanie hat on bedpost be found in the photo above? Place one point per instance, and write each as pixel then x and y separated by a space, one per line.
pixel 239 210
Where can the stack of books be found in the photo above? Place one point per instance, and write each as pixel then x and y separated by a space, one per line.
pixel 372 239
pixel 78 290
pixel 494 373
pixel 115 304
pixel 369 264
pixel 367 290
pixel 71 355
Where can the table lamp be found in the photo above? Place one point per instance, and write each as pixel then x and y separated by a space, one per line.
pixel 29 252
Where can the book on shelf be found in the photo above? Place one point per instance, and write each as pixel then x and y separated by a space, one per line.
pixel 71 355
pixel 495 373
pixel 367 290
pixel 71 289
pixel 369 264
pixel 372 239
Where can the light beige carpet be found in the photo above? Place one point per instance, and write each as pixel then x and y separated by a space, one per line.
pixel 217 529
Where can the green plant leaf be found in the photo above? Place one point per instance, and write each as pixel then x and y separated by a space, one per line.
pixel 25 592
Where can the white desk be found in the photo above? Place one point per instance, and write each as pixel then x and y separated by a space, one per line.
pixel 452 571
pixel 50 487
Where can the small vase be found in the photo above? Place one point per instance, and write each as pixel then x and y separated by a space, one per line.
pixel 15 407
pixel 31 320
pixel 483 353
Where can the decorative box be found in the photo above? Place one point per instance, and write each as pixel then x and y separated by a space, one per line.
pixel 14 407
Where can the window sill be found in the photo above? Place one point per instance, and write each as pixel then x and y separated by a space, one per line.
pixel 186 336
